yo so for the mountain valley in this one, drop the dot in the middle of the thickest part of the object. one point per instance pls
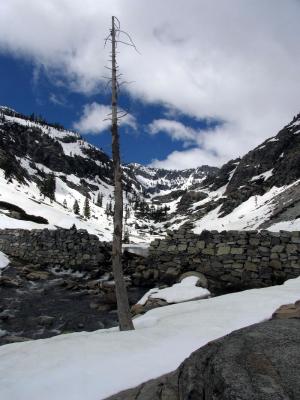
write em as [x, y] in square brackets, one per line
[258, 190]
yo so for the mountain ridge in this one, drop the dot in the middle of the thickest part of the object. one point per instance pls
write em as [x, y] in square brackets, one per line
[259, 189]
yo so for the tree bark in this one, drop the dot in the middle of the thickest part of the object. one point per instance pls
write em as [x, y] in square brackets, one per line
[125, 321]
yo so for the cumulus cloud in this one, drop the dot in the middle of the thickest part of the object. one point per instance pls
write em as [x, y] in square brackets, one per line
[234, 60]
[212, 146]
[95, 119]
[175, 129]
[190, 158]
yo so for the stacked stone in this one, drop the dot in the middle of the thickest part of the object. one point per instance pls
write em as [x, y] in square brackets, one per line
[58, 248]
[236, 259]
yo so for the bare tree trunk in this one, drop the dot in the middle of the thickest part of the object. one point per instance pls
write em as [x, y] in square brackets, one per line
[125, 322]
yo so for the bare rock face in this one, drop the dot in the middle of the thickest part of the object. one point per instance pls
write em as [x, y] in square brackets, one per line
[261, 362]
[288, 311]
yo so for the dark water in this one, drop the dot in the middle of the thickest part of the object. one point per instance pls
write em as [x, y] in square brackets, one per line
[59, 304]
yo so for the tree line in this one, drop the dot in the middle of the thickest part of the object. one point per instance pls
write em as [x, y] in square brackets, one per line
[139, 206]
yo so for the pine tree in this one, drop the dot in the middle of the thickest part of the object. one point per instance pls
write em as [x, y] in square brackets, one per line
[86, 208]
[110, 209]
[9, 169]
[99, 201]
[48, 186]
[76, 207]
[126, 238]
[106, 209]
[65, 204]
[152, 210]
[136, 203]
[127, 212]
[51, 185]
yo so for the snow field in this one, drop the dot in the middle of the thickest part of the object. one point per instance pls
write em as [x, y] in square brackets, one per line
[248, 215]
[29, 199]
[94, 365]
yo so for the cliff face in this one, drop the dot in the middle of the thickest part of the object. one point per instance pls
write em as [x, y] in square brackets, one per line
[276, 162]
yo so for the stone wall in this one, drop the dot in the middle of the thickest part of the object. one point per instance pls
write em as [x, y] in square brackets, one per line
[68, 248]
[229, 260]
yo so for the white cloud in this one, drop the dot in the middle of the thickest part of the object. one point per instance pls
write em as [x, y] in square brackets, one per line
[188, 159]
[95, 119]
[213, 147]
[176, 130]
[57, 100]
[235, 60]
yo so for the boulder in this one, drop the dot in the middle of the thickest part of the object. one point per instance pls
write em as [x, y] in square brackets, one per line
[138, 309]
[288, 311]
[45, 320]
[37, 275]
[260, 362]
[16, 339]
[6, 315]
[9, 282]
[202, 281]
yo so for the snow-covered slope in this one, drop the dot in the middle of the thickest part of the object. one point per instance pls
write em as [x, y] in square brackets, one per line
[259, 190]
[94, 365]
[155, 180]
[32, 151]
[29, 199]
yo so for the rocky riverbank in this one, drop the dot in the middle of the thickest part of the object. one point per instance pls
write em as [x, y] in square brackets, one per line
[39, 302]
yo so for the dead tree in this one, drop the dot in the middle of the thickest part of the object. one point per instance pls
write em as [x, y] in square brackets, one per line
[125, 321]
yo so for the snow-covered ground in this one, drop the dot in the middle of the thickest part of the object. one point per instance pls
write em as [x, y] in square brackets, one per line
[47, 130]
[28, 198]
[248, 215]
[293, 225]
[177, 293]
[60, 212]
[92, 366]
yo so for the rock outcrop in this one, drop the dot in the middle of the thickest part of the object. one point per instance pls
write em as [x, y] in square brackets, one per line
[275, 162]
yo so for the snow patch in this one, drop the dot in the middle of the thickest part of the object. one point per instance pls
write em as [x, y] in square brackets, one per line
[265, 175]
[4, 261]
[293, 225]
[183, 291]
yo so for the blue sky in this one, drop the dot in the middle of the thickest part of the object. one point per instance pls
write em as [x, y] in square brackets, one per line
[29, 90]
[214, 78]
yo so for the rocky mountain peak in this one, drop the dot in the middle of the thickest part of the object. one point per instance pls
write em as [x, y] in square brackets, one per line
[32, 149]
